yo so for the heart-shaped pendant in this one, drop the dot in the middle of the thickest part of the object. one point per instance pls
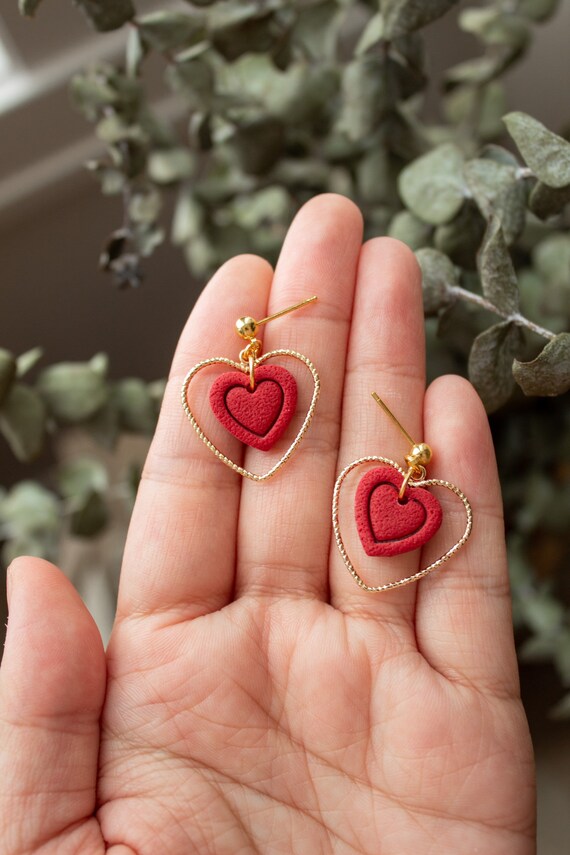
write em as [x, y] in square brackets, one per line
[381, 529]
[246, 419]
[388, 525]
[258, 416]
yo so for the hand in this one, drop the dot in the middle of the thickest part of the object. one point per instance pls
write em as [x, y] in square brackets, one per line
[257, 700]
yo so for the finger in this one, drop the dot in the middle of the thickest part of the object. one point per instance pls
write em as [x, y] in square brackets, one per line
[285, 522]
[463, 614]
[386, 355]
[180, 552]
[52, 685]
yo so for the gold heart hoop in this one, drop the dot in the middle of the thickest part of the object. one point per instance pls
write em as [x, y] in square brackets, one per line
[245, 368]
[429, 482]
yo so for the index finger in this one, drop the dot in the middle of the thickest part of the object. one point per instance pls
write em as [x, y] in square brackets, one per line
[172, 561]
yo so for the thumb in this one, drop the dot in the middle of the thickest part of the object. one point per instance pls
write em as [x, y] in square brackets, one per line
[52, 685]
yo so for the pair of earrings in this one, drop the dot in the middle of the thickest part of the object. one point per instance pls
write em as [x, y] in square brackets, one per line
[256, 402]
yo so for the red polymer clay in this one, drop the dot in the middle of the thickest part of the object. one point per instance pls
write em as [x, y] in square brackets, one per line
[387, 526]
[260, 416]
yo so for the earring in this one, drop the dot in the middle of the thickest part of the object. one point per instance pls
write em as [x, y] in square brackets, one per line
[393, 510]
[255, 402]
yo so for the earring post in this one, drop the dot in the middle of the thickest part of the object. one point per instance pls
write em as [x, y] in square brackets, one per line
[286, 311]
[391, 415]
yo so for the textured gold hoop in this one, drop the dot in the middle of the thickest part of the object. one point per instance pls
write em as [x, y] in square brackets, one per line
[429, 482]
[245, 368]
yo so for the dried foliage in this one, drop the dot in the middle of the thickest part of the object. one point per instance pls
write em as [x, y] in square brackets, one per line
[278, 100]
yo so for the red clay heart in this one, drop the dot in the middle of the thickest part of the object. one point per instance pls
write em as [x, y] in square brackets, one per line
[256, 417]
[387, 526]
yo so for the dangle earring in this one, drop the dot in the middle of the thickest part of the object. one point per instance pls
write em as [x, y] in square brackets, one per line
[255, 402]
[393, 510]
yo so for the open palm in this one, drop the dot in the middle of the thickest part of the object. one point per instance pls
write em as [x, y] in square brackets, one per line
[253, 699]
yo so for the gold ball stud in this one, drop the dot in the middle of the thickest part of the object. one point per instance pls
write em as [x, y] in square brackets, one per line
[420, 455]
[246, 327]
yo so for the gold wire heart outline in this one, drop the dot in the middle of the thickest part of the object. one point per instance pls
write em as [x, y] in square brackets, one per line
[223, 360]
[428, 482]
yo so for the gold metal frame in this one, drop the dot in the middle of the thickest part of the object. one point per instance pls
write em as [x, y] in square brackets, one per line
[246, 369]
[429, 482]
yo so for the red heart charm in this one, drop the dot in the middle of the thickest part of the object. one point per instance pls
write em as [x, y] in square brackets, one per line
[260, 416]
[387, 526]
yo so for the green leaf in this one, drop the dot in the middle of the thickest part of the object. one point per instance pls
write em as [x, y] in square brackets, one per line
[73, 391]
[91, 517]
[474, 20]
[79, 477]
[104, 15]
[491, 361]
[545, 201]
[496, 270]
[439, 276]
[167, 166]
[538, 648]
[487, 103]
[29, 508]
[549, 373]
[537, 10]
[266, 207]
[104, 426]
[92, 94]
[156, 390]
[99, 364]
[561, 710]
[495, 28]
[28, 7]
[317, 29]
[547, 154]
[372, 33]
[113, 129]
[134, 406]
[259, 144]
[432, 187]
[410, 229]
[194, 79]
[461, 238]
[405, 16]
[365, 96]
[112, 180]
[478, 71]
[188, 217]
[542, 613]
[497, 189]
[22, 422]
[168, 31]
[8, 367]
[499, 155]
[551, 258]
[254, 80]
[26, 361]
[147, 237]
[145, 205]
[135, 52]
[237, 27]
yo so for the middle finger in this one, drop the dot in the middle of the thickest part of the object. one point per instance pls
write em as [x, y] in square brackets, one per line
[284, 523]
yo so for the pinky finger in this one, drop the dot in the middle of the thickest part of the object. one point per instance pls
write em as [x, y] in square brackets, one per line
[463, 614]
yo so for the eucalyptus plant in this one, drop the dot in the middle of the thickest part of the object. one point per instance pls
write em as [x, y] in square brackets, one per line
[275, 101]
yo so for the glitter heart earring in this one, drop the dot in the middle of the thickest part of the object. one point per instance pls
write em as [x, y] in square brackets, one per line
[255, 402]
[393, 510]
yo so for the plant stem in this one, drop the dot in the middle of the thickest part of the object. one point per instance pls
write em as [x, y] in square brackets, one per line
[515, 317]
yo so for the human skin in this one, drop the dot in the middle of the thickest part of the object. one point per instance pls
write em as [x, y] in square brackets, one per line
[253, 699]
